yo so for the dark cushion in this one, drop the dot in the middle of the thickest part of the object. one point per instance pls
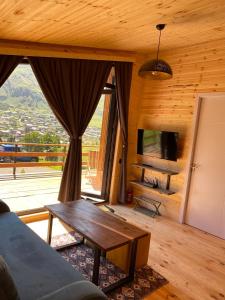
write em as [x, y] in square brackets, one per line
[3, 207]
[8, 289]
[80, 290]
[35, 267]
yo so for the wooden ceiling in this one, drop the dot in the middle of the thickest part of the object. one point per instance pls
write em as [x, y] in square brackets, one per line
[113, 24]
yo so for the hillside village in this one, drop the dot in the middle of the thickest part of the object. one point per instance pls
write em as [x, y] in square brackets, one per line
[23, 109]
[16, 122]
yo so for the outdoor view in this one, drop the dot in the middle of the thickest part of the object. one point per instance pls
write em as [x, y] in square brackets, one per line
[27, 124]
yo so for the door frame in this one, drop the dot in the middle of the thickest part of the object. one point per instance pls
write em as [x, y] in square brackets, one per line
[190, 159]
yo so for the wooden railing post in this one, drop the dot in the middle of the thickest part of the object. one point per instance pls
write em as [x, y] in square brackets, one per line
[64, 150]
[14, 159]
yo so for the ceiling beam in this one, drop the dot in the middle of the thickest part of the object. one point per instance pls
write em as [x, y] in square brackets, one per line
[11, 47]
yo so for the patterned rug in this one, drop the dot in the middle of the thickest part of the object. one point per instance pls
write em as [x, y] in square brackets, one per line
[81, 258]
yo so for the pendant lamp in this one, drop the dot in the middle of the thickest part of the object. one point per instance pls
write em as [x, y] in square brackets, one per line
[156, 69]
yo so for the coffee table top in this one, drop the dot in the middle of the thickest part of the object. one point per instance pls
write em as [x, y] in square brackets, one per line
[101, 228]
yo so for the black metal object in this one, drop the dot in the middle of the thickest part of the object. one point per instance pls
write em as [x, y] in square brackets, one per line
[160, 26]
[97, 256]
[111, 86]
[110, 208]
[130, 277]
[70, 245]
[14, 160]
[156, 204]
[168, 182]
[133, 255]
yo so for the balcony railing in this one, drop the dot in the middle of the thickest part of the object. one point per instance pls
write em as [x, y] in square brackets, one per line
[49, 155]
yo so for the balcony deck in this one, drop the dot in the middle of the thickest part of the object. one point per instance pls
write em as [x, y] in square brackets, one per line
[27, 184]
[33, 190]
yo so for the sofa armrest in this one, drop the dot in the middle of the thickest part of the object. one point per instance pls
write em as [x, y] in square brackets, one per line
[79, 290]
[4, 207]
[7, 286]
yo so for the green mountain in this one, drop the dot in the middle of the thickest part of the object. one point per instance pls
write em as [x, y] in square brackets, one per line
[21, 89]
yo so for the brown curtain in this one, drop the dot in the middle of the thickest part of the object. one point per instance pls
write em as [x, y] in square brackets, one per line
[72, 88]
[7, 65]
[123, 74]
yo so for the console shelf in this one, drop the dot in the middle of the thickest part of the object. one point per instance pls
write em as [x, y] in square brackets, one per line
[154, 185]
[148, 167]
[157, 189]
[168, 174]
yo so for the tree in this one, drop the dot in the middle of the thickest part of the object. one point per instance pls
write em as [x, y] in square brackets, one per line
[33, 137]
[51, 138]
[39, 138]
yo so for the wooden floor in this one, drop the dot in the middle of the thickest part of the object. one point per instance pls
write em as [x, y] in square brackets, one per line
[192, 261]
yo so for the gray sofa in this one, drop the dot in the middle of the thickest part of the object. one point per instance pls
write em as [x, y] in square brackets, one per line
[37, 270]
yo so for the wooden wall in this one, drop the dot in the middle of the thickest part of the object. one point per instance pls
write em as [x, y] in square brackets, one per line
[169, 105]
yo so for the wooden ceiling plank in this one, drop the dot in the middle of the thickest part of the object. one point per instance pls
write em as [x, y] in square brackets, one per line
[115, 25]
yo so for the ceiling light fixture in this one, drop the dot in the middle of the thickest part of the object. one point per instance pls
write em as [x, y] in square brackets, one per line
[156, 68]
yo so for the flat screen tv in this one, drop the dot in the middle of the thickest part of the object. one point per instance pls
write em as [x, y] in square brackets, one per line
[159, 144]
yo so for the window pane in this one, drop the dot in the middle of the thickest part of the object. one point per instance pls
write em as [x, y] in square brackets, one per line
[93, 148]
[25, 117]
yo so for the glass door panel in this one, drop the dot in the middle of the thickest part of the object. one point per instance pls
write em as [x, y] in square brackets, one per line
[94, 148]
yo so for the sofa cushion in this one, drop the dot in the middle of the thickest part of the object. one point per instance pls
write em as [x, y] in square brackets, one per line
[80, 290]
[35, 267]
[4, 207]
[8, 289]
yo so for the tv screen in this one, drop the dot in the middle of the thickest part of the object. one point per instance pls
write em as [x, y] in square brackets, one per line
[159, 144]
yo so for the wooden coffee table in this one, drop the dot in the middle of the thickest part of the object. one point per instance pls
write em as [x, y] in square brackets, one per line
[103, 230]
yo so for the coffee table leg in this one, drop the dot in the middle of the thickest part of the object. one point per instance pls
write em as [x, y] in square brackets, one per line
[97, 255]
[49, 236]
[133, 259]
[131, 272]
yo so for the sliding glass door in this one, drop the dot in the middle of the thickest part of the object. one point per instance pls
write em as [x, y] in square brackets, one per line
[97, 145]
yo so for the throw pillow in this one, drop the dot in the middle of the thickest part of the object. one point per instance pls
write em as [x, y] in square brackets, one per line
[4, 207]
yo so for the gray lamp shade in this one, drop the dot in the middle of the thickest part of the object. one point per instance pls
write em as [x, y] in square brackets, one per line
[156, 69]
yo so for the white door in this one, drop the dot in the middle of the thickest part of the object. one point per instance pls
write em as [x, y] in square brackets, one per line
[206, 203]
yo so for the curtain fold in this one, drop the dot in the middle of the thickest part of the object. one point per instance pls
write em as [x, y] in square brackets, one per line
[7, 65]
[123, 74]
[72, 88]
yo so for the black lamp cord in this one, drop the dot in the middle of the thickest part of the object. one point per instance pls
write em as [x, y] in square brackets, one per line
[157, 58]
